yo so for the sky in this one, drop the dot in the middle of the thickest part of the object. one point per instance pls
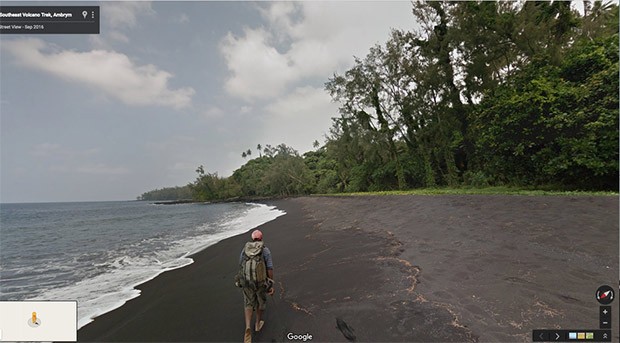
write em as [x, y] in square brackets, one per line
[168, 86]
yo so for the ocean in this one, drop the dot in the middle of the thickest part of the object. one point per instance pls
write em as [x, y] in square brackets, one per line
[96, 252]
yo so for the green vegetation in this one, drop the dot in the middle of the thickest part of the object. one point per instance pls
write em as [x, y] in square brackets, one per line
[499, 190]
[280, 171]
[168, 193]
[487, 97]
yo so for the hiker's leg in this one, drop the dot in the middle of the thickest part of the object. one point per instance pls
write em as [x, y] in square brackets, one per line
[259, 316]
[261, 297]
[250, 302]
[248, 317]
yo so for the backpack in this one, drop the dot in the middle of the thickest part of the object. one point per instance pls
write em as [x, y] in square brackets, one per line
[253, 271]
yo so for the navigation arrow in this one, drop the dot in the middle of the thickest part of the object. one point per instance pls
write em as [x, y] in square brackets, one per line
[557, 336]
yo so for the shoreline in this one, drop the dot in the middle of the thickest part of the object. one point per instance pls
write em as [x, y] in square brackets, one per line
[118, 324]
[394, 268]
[103, 301]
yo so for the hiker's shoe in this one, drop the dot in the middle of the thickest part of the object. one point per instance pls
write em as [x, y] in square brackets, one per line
[247, 338]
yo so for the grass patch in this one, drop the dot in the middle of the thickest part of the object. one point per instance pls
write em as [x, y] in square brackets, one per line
[498, 190]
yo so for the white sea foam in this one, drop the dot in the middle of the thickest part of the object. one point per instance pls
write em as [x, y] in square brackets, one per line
[114, 287]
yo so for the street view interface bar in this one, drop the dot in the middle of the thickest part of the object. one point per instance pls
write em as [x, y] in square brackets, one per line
[49, 19]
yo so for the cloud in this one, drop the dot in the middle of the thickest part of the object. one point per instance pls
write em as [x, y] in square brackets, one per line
[73, 160]
[301, 100]
[172, 142]
[53, 150]
[102, 169]
[213, 112]
[108, 71]
[92, 169]
[177, 157]
[118, 36]
[118, 17]
[124, 14]
[259, 70]
[173, 149]
[305, 40]
[299, 118]
[183, 19]
[46, 150]
[183, 166]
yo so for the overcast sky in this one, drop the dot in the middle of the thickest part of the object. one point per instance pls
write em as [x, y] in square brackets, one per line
[169, 86]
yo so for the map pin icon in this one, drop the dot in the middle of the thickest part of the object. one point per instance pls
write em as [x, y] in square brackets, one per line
[84, 13]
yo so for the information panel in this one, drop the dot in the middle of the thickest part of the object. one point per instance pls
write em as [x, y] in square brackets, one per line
[49, 19]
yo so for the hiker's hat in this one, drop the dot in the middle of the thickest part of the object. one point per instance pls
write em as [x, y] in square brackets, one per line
[257, 235]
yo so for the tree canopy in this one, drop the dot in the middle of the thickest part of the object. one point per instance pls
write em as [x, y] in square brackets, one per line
[483, 93]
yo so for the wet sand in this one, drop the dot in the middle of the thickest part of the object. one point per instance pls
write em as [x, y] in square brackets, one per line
[395, 268]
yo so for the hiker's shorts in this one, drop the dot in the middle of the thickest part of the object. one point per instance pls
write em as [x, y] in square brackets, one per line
[255, 298]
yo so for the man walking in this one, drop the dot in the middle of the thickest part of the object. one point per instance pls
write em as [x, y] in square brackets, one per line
[256, 281]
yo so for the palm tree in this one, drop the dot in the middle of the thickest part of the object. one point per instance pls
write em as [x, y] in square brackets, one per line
[596, 17]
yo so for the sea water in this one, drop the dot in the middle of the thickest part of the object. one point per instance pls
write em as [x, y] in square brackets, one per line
[97, 252]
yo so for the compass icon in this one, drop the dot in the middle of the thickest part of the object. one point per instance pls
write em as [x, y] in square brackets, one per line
[605, 295]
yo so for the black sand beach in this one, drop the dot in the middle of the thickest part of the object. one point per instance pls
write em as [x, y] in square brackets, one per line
[395, 268]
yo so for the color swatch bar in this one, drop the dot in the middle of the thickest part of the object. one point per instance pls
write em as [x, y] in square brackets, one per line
[571, 335]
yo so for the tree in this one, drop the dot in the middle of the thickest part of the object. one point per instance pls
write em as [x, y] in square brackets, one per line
[167, 193]
[600, 19]
[365, 97]
[555, 124]
[288, 175]
[484, 92]
[412, 98]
